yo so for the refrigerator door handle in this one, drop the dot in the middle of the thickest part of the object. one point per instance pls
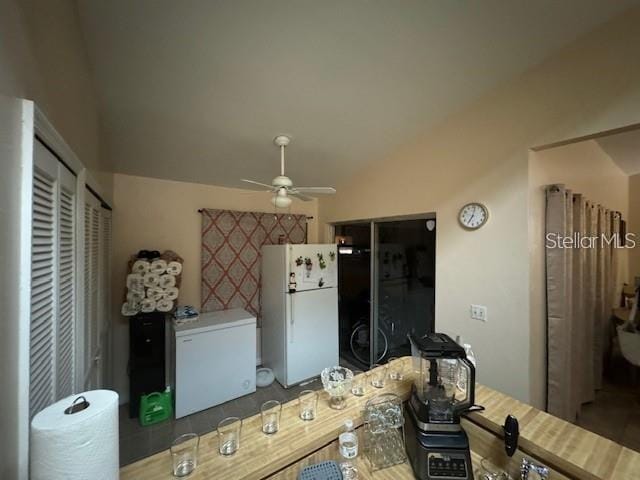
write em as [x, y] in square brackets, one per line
[291, 321]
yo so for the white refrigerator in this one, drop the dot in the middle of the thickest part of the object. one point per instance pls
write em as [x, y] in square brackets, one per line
[300, 313]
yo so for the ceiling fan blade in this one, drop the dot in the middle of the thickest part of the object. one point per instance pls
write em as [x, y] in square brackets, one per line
[299, 196]
[316, 190]
[270, 187]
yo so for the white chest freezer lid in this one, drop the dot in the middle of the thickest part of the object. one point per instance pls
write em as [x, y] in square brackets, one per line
[215, 321]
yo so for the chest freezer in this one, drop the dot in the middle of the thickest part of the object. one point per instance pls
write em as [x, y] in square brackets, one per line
[215, 360]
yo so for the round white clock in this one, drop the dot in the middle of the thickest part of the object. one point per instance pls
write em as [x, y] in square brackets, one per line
[473, 215]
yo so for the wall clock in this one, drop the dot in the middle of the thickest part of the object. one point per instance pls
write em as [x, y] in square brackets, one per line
[473, 215]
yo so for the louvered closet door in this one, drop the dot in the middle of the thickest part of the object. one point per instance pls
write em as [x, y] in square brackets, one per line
[42, 385]
[104, 374]
[53, 282]
[67, 251]
[92, 286]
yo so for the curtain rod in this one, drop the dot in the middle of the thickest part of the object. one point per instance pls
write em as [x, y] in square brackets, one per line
[200, 210]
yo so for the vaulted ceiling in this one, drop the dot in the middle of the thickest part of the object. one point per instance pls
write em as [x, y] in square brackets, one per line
[196, 90]
[624, 150]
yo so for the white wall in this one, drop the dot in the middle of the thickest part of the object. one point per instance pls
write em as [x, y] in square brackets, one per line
[43, 58]
[584, 168]
[481, 154]
[159, 215]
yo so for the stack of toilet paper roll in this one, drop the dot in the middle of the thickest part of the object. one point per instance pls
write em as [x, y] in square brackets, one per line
[152, 285]
[79, 441]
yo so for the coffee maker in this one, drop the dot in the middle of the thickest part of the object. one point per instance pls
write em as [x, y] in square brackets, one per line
[437, 446]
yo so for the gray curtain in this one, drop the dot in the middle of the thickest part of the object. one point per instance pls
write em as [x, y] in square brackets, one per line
[580, 288]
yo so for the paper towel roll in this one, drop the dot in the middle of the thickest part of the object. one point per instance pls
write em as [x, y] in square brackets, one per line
[174, 268]
[140, 266]
[135, 282]
[164, 305]
[158, 266]
[167, 281]
[151, 280]
[147, 305]
[82, 445]
[171, 293]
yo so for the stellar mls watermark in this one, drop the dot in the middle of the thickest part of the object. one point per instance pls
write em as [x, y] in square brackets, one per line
[580, 240]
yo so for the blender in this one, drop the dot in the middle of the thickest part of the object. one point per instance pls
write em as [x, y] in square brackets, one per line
[437, 446]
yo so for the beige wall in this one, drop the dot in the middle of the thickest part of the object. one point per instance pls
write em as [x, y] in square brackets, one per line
[42, 58]
[481, 154]
[160, 214]
[633, 226]
[585, 168]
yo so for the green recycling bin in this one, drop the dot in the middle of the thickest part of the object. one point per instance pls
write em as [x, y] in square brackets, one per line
[155, 407]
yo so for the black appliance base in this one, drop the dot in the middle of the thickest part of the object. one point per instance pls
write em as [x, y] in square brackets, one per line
[437, 455]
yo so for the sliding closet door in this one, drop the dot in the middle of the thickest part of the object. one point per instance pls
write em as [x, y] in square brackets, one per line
[403, 284]
[53, 262]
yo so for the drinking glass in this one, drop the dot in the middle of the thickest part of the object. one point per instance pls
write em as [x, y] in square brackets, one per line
[229, 435]
[337, 383]
[359, 383]
[270, 412]
[308, 404]
[396, 368]
[488, 471]
[184, 454]
[379, 375]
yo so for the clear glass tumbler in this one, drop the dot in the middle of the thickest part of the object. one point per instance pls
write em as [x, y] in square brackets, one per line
[379, 375]
[308, 404]
[229, 430]
[359, 383]
[488, 471]
[396, 368]
[271, 411]
[184, 454]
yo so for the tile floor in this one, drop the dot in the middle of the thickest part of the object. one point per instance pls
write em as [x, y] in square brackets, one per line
[137, 442]
[614, 414]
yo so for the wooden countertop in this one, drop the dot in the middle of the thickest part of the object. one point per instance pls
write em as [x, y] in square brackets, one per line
[330, 452]
[568, 449]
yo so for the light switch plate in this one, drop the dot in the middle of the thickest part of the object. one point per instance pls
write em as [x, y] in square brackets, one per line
[479, 312]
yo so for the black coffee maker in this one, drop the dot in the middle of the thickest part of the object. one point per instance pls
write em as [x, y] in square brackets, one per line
[437, 446]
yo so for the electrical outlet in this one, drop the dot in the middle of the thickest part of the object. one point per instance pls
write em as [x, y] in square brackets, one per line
[479, 312]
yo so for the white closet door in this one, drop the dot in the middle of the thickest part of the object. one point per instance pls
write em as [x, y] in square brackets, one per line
[42, 391]
[87, 286]
[104, 374]
[91, 292]
[53, 279]
[66, 284]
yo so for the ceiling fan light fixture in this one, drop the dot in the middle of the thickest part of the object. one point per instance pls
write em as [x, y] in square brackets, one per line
[282, 186]
[281, 201]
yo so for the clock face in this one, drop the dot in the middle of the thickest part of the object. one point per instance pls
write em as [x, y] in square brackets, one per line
[473, 215]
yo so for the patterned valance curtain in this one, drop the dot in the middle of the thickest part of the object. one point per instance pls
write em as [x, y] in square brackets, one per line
[231, 245]
[581, 290]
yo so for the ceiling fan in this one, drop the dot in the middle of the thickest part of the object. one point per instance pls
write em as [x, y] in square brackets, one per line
[282, 186]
